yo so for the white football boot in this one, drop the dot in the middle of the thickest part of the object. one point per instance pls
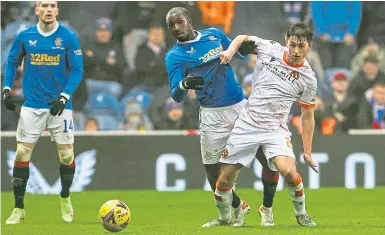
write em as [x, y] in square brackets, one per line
[217, 222]
[267, 219]
[16, 216]
[67, 212]
[239, 214]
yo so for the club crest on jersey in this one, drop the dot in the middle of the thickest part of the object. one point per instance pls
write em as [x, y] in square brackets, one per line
[212, 38]
[225, 153]
[58, 44]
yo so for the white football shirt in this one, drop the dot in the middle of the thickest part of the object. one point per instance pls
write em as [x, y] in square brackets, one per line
[276, 86]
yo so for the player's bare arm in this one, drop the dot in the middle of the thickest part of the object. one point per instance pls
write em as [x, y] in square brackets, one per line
[307, 136]
[227, 55]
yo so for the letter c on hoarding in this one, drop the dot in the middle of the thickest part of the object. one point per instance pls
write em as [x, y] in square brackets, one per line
[369, 170]
[161, 172]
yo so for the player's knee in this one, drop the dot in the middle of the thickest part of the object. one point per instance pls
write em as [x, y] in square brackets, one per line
[287, 171]
[224, 183]
[23, 153]
[285, 165]
[66, 156]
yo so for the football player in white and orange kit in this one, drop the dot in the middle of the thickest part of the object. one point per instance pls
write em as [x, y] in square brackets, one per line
[282, 76]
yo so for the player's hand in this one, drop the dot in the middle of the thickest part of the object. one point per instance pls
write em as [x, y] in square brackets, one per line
[246, 48]
[309, 160]
[193, 82]
[6, 97]
[225, 56]
[58, 105]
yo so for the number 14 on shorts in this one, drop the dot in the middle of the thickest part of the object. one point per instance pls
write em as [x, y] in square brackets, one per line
[68, 125]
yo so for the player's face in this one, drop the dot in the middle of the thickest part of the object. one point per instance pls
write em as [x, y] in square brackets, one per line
[179, 26]
[47, 11]
[298, 49]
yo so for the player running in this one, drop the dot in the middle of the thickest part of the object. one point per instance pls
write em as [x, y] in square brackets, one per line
[281, 77]
[193, 63]
[53, 68]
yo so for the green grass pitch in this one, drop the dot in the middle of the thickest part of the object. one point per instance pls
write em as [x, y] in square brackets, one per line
[336, 210]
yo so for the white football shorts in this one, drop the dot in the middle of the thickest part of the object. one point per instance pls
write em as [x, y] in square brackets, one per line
[215, 128]
[33, 122]
[245, 140]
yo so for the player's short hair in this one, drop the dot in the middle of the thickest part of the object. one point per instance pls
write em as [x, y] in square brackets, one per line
[177, 10]
[300, 31]
[38, 3]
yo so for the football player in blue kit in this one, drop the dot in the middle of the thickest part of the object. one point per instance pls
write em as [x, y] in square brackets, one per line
[193, 63]
[53, 68]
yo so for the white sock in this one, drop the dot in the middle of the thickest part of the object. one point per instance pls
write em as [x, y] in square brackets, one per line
[297, 195]
[223, 200]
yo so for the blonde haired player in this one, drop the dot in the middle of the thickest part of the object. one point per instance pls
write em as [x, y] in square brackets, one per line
[53, 68]
[282, 76]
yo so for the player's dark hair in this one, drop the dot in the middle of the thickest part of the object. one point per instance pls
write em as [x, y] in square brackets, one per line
[177, 10]
[300, 31]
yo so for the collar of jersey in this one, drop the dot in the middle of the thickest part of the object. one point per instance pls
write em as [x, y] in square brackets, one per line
[194, 40]
[49, 33]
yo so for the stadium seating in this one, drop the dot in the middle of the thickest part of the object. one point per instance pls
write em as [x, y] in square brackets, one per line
[105, 108]
[143, 98]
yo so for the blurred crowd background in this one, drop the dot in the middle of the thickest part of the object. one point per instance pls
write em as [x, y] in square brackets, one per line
[125, 85]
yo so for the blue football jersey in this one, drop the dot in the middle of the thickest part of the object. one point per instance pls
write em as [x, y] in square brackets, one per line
[53, 65]
[201, 57]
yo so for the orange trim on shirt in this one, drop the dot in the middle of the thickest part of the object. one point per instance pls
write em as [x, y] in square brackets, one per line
[288, 63]
[306, 106]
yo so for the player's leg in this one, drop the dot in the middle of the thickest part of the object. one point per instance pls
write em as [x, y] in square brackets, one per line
[31, 125]
[287, 167]
[279, 152]
[240, 151]
[223, 192]
[270, 181]
[212, 172]
[215, 129]
[61, 128]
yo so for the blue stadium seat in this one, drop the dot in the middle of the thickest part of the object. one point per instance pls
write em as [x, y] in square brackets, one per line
[102, 103]
[143, 98]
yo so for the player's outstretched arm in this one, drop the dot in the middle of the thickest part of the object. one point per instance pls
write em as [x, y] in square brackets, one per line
[228, 54]
[308, 124]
